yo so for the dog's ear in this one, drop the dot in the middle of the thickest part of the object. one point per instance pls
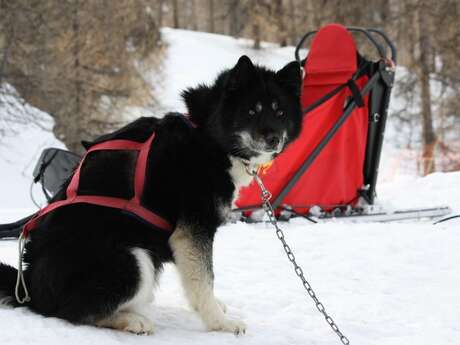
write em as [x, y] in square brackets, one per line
[241, 74]
[198, 101]
[289, 77]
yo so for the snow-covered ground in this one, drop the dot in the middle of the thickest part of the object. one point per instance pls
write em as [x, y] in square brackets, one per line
[386, 284]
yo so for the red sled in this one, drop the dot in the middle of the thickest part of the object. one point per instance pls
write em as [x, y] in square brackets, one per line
[345, 99]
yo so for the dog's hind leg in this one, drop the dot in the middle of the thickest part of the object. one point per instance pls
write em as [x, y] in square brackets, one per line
[130, 315]
[194, 261]
[111, 288]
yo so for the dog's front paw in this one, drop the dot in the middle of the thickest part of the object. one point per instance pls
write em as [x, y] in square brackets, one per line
[234, 326]
[221, 305]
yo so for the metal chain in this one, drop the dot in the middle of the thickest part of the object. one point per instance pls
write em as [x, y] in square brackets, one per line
[266, 196]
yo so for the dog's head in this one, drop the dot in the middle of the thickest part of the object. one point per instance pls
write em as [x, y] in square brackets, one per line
[253, 112]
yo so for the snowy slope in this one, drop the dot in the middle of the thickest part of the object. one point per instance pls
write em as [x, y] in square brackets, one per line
[194, 58]
[25, 138]
[386, 284]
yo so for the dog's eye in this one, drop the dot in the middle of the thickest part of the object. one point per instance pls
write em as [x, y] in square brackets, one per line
[274, 106]
[259, 107]
[252, 112]
[279, 113]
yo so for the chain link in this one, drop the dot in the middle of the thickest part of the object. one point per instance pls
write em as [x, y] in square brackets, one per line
[266, 196]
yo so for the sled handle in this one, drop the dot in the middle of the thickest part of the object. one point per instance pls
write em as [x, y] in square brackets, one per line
[394, 54]
[366, 33]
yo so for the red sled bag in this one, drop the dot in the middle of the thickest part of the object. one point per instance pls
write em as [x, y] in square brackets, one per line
[334, 161]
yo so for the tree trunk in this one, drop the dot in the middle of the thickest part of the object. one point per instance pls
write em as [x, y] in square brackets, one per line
[160, 13]
[429, 136]
[193, 18]
[282, 34]
[256, 35]
[176, 14]
[6, 49]
[72, 139]
[234, 18]
[256, 22]
[211, 16]
[293, 23]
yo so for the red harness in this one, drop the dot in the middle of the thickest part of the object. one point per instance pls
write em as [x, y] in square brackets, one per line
[132, 205]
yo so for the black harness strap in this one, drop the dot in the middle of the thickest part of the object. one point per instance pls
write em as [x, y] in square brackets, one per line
[325, 98]
[356, 93]
[351, 84]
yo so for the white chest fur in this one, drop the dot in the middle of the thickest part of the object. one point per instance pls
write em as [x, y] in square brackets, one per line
[239, 175]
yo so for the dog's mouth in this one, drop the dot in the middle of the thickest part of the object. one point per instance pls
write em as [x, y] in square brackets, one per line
[272, 144]
[252, 152]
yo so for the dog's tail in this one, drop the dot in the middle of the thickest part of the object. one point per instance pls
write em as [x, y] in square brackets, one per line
[8, 276]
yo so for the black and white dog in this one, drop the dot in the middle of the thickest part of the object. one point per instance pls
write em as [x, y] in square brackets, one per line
[97, 265]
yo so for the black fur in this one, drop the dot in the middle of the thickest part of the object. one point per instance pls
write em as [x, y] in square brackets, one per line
[79, 265]
[222, 109]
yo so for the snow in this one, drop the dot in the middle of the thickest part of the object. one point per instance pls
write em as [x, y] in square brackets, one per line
[385, 284]
[28, 133]
[194, 58]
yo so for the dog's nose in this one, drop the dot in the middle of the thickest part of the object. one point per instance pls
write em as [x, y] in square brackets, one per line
[272, 141]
